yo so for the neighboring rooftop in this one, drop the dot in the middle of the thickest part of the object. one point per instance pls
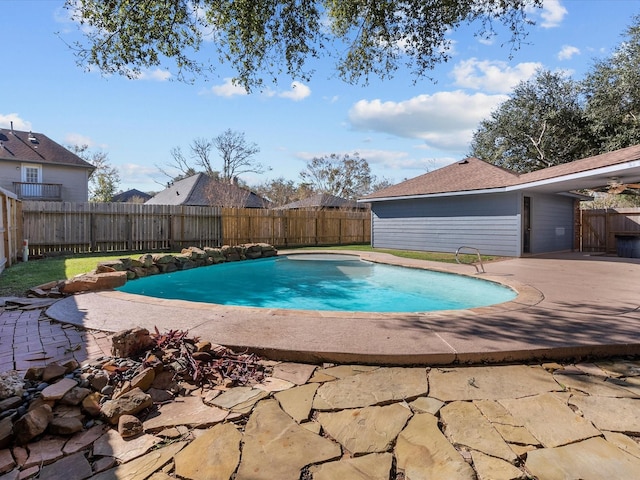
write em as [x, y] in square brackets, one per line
[202, 190]
[132, 195]
[35, 147]
[320, 201]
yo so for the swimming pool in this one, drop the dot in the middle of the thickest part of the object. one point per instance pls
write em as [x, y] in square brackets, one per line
[323, 282]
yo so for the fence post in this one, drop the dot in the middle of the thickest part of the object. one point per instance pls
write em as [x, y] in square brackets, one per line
[129, 226]
[92, 227]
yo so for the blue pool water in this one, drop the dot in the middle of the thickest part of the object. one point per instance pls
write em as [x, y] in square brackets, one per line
[323, 282]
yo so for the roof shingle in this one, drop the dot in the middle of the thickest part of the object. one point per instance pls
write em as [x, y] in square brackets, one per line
[37, 148]
[202, 190]
[475, 174]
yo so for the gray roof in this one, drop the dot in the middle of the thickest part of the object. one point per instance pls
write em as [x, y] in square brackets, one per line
[130, 195]
[322, 200]
[202, 190]
[37, 148]
[473, 174]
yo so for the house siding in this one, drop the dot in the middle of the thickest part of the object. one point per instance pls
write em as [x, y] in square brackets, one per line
[9, 174]
[74, 180]
[552, 223]
[490, 223]
[75, 185]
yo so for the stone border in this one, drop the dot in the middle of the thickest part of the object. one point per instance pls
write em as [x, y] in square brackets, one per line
[113, 274]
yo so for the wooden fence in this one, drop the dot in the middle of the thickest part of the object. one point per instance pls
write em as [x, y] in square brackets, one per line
[10, 228]
[289, 228]
[600, 227]
[110, 227]
[115, 227]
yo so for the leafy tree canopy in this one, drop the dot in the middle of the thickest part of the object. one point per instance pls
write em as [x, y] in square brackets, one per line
[542, 124]
[347, 177]
[269, 38]
[612, 90]
[104, 181]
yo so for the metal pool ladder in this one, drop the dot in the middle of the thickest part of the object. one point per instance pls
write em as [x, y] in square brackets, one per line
[474, 264]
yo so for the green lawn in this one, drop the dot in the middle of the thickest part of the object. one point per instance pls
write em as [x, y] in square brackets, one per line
[432, 256]
[16, 280]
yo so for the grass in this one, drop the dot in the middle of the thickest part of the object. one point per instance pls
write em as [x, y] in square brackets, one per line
[15, 281]
[431, 256]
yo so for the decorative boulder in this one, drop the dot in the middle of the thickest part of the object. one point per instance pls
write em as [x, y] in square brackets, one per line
[93, 282]
[127, 343]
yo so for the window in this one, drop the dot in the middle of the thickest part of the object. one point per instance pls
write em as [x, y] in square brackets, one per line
[31, 174]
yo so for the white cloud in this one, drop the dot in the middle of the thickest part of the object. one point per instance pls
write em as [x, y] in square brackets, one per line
[567, 52]
[298, 91]
[228, 89]
[79, 140]
[444, 120]
[553, 13]
[157, 75]
[492, 76]
[18, 123]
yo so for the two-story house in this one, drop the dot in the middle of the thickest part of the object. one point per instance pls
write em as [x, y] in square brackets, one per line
[35, 167]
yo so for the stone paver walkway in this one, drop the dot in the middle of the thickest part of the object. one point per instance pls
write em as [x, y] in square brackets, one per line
[350, 422]
[30, 339]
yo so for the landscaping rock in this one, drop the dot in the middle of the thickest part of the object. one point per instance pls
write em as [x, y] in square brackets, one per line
[58, 389]
[128, 343]
[32, 424]
[93, 282]
[53, 371]
[128, 404]
[65, 426]
[10, 384]
[129, 426]
[6, 432]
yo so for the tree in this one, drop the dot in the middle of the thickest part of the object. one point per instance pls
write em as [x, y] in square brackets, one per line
[275, 37]
[104, 181]
[179, 163]
[612, 90]
[346, 177]
[236, 152]
[542, 124]
[237, 155]
[280, 191]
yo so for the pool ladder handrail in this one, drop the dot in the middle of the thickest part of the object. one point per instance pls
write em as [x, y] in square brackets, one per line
[474, 264]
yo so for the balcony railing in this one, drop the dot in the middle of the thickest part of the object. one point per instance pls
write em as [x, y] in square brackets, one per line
[38, 191]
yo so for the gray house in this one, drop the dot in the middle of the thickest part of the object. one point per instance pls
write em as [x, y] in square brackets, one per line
[202, 190]
[35, 167]
[476, 204]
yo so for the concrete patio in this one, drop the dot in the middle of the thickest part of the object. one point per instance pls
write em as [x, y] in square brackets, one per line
[569, 305]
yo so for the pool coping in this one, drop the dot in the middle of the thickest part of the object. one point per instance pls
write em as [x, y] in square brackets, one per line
[477, 335]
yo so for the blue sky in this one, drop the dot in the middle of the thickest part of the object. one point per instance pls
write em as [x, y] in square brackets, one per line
[402, 129]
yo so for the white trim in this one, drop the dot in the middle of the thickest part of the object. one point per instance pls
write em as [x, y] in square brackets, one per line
[586, 174]
[23, 171]
[578, 175]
